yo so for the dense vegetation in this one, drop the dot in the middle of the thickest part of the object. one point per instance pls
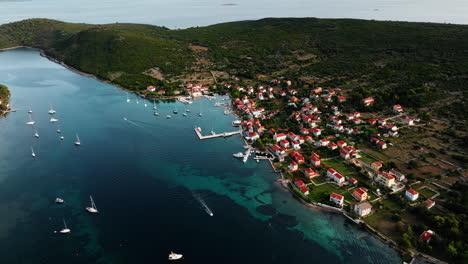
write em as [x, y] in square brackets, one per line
[413, 64]
[4, 95]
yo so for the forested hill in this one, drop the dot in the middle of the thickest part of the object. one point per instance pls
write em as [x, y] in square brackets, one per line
[409, 63]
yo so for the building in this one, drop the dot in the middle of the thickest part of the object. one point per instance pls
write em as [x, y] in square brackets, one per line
[386, 179]
[362, 208]
[315, 159]
[150, 88]
[426, 236]
[293, 166]
[397, 108]
[411, 194]
[310, 173]
[252, 136]
[398, 176]
[353, 181]
[344, 154]
[279, 137]
[376, 165]
[368, 101]
[360, 194]
[429, 204]
[336, 176]
[295, 145]
[278, 150]
[337, 199]
[284, 144]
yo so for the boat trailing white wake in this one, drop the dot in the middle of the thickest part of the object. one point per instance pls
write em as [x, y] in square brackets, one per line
[203, 204]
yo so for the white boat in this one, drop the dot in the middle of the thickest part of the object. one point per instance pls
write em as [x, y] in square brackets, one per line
[226, 112]
[62, 138]
[200, 114]
[59, 200]
[174, 256]
[168, 116]
[125, 119]
[146, 105]
[184, 114]
[236, 123]
[30, 122]
[154, 105]
[65, 229]
[36, 135]
[199, 129]
[156, 113]
[137, 101]
[238, 155]
[213, 133]
[53, 120]
[52, 111]
[93, 208]
[30, 110]
[59, 131]
[77, 142]
[32, 153]
[187, 110]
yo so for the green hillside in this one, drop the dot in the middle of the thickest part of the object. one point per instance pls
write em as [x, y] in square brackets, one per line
[409, 63]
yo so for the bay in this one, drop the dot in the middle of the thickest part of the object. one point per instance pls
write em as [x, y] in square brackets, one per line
[144, 174]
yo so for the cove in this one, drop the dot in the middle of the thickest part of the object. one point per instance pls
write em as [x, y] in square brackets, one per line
[143, 173]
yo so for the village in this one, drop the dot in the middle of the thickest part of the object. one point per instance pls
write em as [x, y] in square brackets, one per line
[332, 156]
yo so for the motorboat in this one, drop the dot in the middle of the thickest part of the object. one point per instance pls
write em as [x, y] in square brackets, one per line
[236, 123]
[174, 256]
[226, 112]
[62, 138]
[36, 135]
[184, 114]
[32, 153]
[238, 155]
[53, 120]
[30, 122]
[156, 113]
[187, 110]
[168, 116]
[59, 131]
[92, 209]
[30, 110]
[59, 200]
[128, 99]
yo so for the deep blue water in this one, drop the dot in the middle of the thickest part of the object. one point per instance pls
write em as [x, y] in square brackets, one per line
[143, 174]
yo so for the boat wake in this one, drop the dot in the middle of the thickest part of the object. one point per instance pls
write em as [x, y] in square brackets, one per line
[203, 204]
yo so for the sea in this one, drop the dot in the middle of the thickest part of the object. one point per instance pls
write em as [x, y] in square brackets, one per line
[153, 181]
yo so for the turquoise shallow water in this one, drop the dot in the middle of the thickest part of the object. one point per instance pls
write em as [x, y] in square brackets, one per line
[143, 174]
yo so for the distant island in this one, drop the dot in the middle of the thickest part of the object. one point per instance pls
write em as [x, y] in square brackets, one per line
[365, 118]
[4, 99]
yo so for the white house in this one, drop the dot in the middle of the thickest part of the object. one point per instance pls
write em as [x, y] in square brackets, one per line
[337, 198]
[411, 194]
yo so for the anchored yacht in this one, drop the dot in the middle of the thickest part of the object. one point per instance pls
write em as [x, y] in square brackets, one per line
[65, 229]
[59, 200]
[174, 256]
[93, 208]
[77, 142]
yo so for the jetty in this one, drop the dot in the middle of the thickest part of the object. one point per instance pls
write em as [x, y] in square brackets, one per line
[185, 100]
[247, 154]
[215, 135]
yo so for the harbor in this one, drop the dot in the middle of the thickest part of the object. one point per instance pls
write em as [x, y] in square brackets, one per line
[215, 135]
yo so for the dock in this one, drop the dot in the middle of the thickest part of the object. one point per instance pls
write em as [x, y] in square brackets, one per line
[247, 154]
[225, 134]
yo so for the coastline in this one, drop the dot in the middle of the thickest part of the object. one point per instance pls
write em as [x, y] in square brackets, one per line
[281, 180]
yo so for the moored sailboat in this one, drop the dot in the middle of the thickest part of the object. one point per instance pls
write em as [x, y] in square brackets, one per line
[92, 209]
[77, 141]
[65, 229]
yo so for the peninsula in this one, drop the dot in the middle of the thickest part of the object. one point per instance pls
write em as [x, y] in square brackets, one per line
[367, 118]
[4, 99]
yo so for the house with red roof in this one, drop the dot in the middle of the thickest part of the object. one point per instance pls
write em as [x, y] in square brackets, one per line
[252, 136]
[429, 204]
[341, 99]
[336, 176]
[284, 144]
[150, 88]
[353, 181]
[297, 157]
[376, 165]
[426, 236]
[304, 131]
[324, 142]
[278, 150]
[279, 137]
[316, 131]
[308, 172]
[397, 108]
[345, 155]
[161, 92]
[337, 199]
[368, 101]
[293, 166]
[315, 159]
[332, 146]
[341, 143]
[360, 194]
[385, 179]
[295, 145]
[411, 194]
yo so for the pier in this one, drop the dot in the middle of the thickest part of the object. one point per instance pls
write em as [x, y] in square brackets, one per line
[247, 154]
[225, 134]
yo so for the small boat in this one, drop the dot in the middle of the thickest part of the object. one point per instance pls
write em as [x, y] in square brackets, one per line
[238, 155]
[213, 133]
[199, 129]
[53, 120]
[199, 114]
[226, 112]
[52, 111]
[59, 200]
[138, 102]
[92, 209]
[128, 99]
[62, 138]
[174, 256]
[32, 153]
[36, 135]
[65, 229]
[187, 110]
[146, 105]
[30, 110]
[125, 119]
[59, 131]
[156, 113]
[154, 105]
[30, 122]
[184, 114]
[175, 110]
[168, 116]
[236, 123]
[77, 142]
